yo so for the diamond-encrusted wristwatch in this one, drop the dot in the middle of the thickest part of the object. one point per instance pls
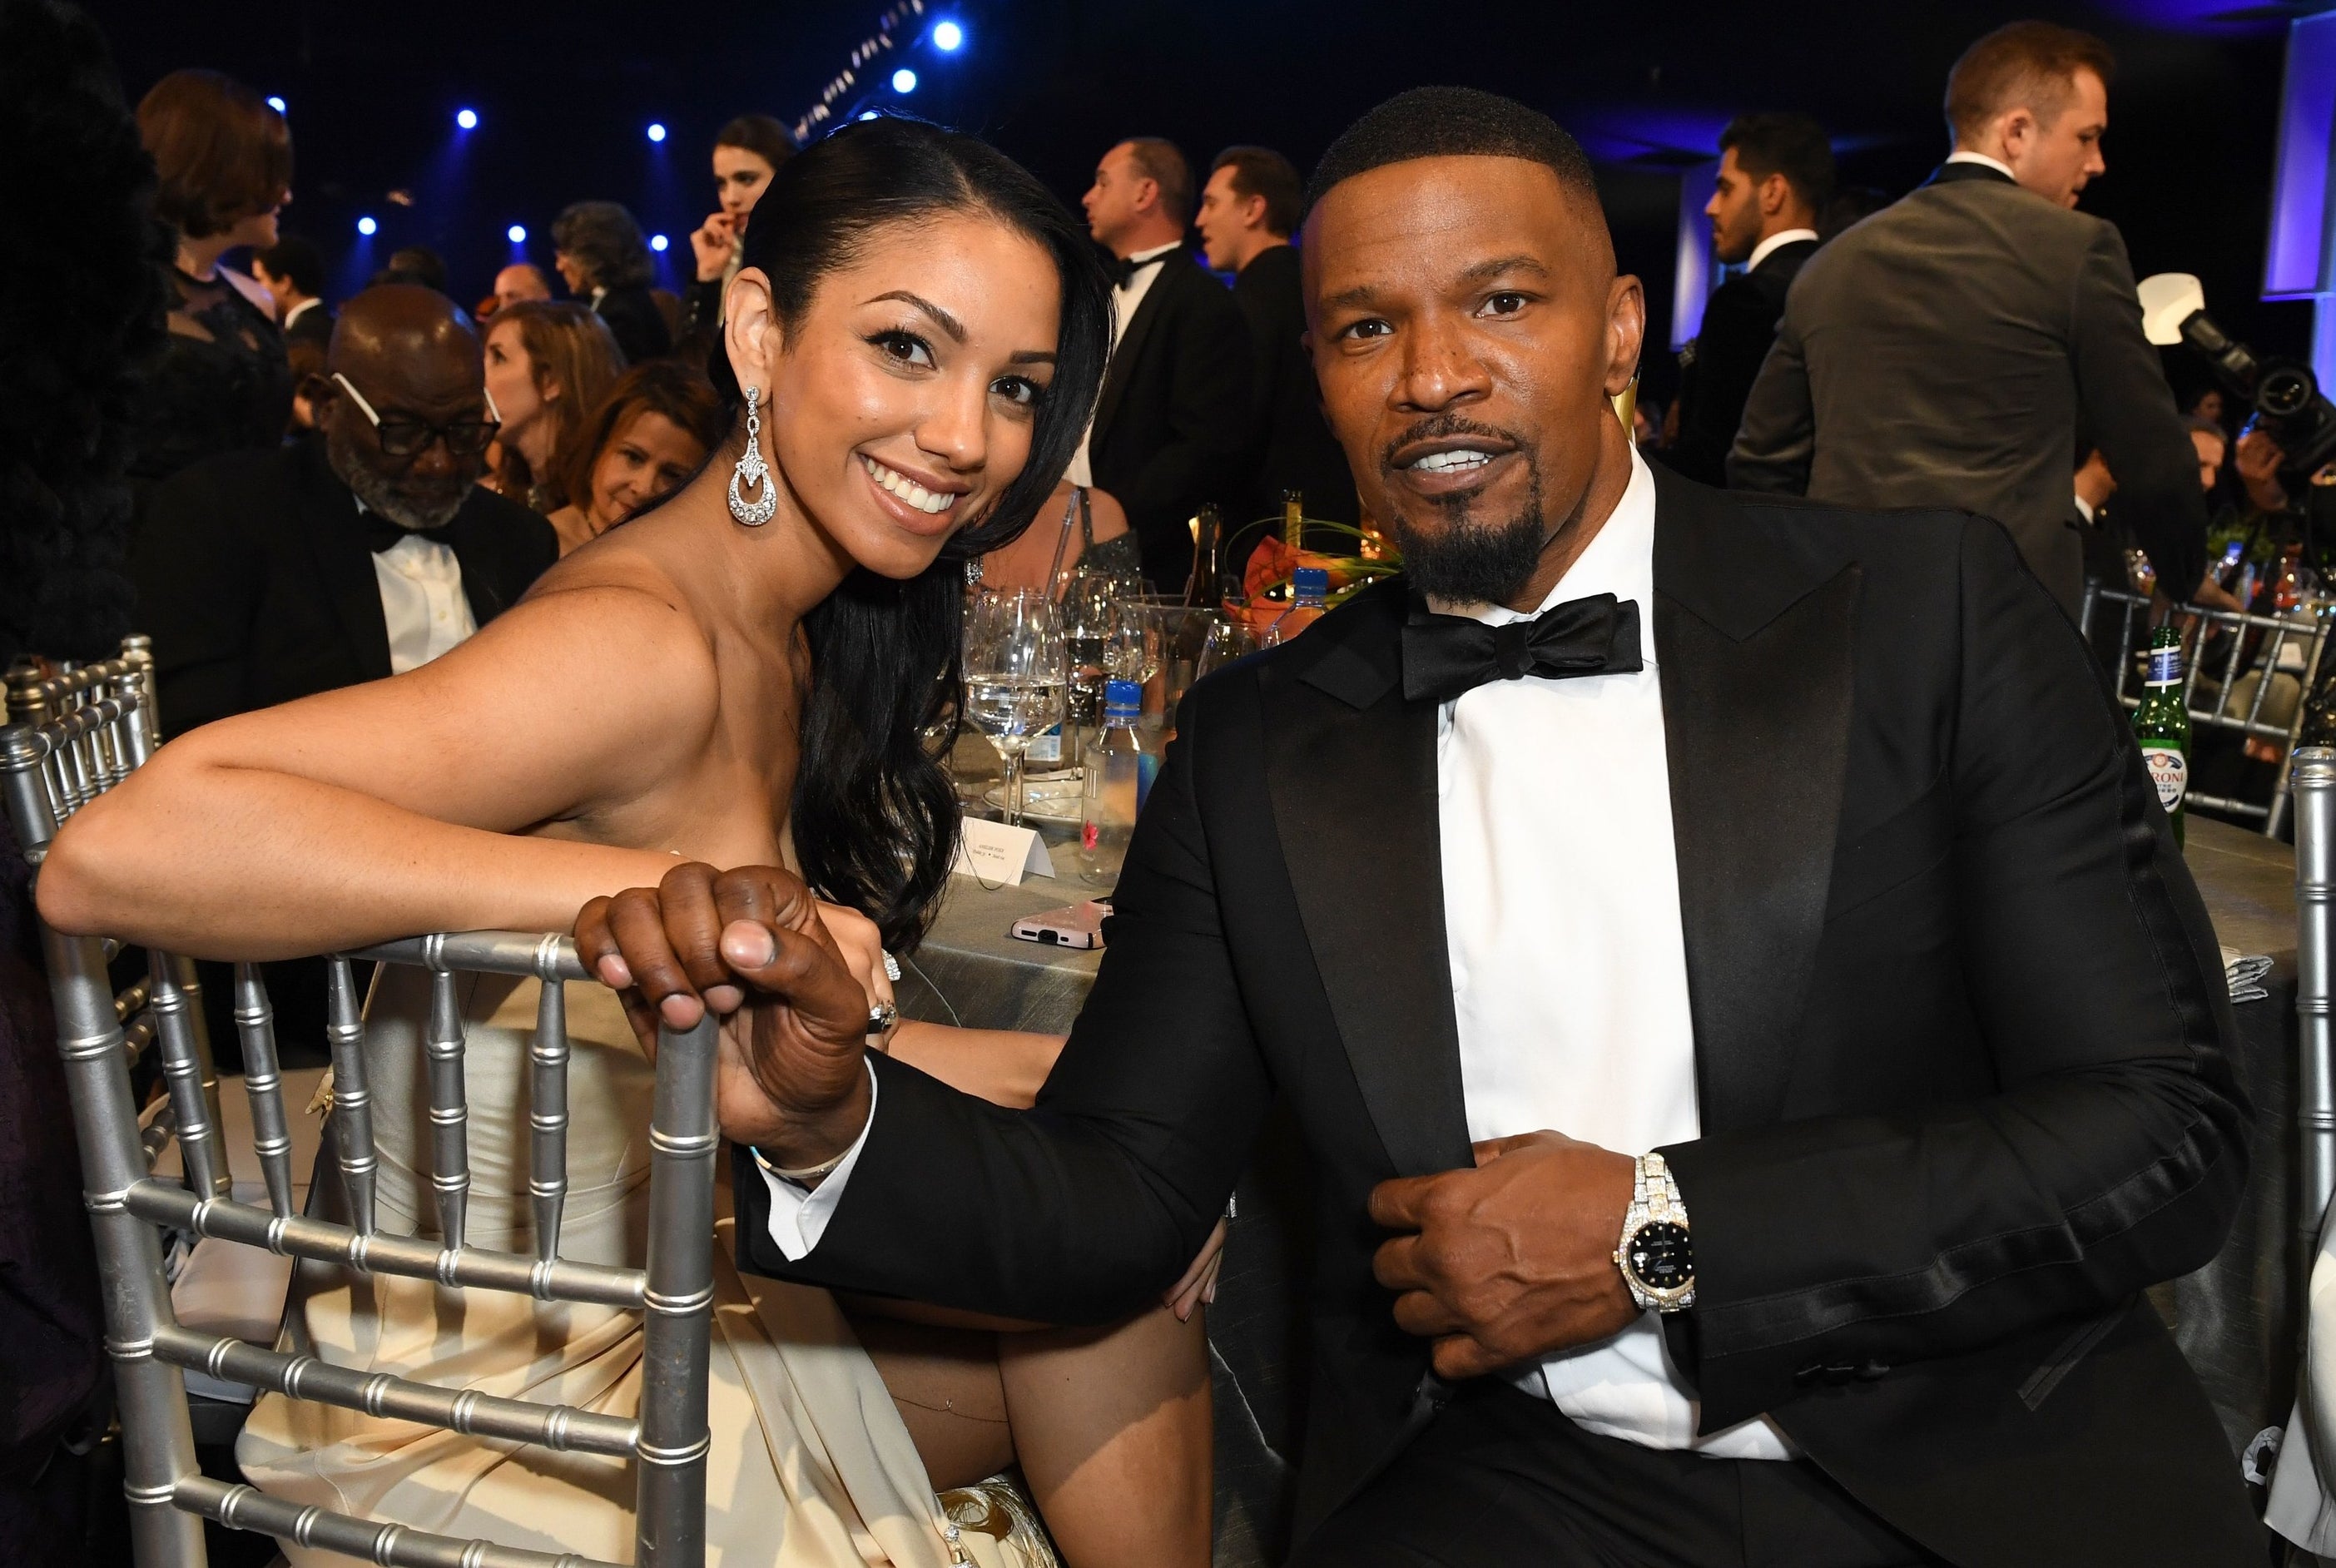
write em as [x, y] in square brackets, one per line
[1656, 1255]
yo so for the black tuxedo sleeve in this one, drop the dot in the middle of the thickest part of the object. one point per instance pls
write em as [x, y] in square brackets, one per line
[1739, 324]
[2113, 1153]
[1211, 413]
[1776, 442]
[1083, 1209]
[198, 576]
[2129, 411]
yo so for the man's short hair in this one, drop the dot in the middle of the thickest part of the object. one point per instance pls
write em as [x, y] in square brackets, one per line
[297, 262]
[2199, 424]
[1158, 159]
[1452, 123]
[1262, 172]
[1792, 145]
[2029, 66]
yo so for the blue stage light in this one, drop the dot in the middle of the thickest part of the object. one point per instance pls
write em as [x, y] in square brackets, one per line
[365, 226]
[468, 119]
[947, 37]
[904, 81]
[275, 103]
[657, 132]
[870, 114]
[516, 234]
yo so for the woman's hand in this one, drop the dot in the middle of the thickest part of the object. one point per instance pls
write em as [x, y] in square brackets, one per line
[1199, 1284]
[862, 947]
[713, 242]
[751, 944]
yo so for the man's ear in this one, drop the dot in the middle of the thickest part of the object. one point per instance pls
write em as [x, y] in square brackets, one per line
[1775, 195]
[1253, 211]
[1626, 332]
[1147, 195]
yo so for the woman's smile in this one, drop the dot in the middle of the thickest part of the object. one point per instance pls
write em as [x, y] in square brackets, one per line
[923, 509]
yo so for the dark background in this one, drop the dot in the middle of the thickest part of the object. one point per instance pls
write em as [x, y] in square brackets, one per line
[565, 93]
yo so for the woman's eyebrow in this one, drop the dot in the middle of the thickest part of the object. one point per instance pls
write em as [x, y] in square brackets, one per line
[1032, 356]
[948, 323]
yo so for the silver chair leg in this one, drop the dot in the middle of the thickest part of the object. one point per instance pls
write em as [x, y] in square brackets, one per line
[351, 1098]
[670, 1523]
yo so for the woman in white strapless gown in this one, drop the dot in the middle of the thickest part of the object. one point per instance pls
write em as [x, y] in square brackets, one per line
[758, 670]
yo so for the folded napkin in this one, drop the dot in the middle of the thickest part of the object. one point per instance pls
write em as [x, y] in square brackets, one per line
[2244, 973]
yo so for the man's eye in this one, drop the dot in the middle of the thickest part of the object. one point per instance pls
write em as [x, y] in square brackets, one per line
[1369, 327]
[1504, 304]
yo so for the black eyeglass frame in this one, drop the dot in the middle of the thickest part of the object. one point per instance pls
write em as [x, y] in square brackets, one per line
[410, 438]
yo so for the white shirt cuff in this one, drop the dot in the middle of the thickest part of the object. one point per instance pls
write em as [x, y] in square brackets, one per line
[799, 1218]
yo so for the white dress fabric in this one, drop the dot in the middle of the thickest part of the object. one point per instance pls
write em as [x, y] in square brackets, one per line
[811, 1465]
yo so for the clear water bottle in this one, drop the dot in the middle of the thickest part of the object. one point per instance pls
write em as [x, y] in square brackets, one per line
[1120, 767]
[1310, 592]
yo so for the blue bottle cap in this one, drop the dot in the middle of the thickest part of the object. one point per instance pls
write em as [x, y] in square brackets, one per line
[1311, 582]
[1122, 695]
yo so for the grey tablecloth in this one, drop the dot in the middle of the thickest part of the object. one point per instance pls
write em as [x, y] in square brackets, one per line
[2238, 1319]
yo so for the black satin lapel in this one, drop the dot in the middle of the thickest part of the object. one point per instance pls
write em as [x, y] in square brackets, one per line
[474, 559]
[1155, 303]
[1757, 733]
[1354, 798]
[345, 567]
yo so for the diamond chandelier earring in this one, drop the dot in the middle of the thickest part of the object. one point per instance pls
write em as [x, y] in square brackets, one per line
[751, 474]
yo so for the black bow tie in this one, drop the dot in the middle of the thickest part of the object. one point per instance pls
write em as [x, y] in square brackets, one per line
[382, 535]
[1128, 268]
[1447, 656]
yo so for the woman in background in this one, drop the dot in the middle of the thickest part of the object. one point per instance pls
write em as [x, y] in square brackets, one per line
[648, 435]
[223, 159]
[548, 365]
[747, 152]
[605, 262]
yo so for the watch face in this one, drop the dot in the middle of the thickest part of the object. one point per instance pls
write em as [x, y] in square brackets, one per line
[1661, 1256]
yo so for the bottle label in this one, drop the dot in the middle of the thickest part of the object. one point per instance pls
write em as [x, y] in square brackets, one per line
[2169, 770]
[2165, 667]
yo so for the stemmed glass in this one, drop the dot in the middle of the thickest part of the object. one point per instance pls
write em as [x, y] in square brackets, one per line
[1015, 675]
[1228, 641]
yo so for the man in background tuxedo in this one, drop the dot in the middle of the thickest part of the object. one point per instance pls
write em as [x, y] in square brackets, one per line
[1753, 1035]
[1776, 174]
[348, 556]
[1248, 209]
[1948, 350]
[293, 273]
[1172, 427]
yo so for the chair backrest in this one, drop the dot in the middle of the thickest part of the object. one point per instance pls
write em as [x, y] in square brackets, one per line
[2268, 645]
[90, 731]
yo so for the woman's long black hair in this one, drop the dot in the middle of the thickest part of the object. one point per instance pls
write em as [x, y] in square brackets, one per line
[874, 820]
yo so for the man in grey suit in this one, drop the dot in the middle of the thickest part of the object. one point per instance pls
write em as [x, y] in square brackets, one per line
[1947, 350]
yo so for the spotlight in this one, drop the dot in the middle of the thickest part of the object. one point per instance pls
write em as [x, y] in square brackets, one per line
[276, 104]
[365, 226]
[870, 114]
[468, 119]
[947, 37]
[904, 81]
[657, 133]
[658, 242]
[516, 234]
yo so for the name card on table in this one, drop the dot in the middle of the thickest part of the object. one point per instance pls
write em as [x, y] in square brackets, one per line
[997, 853]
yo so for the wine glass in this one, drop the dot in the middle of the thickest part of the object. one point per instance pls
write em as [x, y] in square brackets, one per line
[1228, 641]
[1015, 675]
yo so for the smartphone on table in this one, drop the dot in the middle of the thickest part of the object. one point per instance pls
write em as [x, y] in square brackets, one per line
[1078, 925]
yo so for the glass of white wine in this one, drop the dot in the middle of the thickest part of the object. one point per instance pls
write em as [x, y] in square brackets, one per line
[1016, 675]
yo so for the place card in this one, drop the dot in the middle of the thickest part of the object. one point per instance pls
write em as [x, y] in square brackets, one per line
[998, 853]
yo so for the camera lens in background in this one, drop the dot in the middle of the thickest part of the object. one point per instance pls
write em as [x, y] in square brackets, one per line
[2285, 390]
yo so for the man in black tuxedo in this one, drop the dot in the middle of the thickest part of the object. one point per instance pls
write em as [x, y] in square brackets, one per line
[1948, 350]
[1172, 429]
[266, 576]
[1755, 1035]
[1248, 209]
[1776, 174]
[352, 554]
[293, 273]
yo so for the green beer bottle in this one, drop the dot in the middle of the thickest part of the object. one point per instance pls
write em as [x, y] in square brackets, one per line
[2161, 725]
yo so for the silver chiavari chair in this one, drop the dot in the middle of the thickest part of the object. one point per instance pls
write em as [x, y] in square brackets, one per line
[96, 727]
[2315, 786]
